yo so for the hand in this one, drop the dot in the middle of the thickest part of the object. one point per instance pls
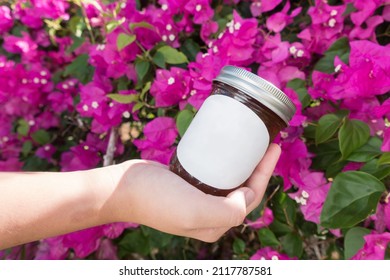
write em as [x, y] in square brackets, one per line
[149, 194]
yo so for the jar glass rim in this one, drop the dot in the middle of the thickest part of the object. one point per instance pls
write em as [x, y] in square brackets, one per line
[260, 89]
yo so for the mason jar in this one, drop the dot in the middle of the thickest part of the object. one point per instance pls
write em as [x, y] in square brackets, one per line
[231, 131]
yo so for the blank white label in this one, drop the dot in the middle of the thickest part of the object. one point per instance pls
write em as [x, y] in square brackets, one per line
[224, 143]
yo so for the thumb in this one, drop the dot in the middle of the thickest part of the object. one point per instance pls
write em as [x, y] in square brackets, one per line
[247, 193]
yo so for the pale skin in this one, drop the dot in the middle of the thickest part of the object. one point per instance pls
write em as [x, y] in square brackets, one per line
[38, 205]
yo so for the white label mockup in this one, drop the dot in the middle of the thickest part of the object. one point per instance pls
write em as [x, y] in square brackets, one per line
[224, 143]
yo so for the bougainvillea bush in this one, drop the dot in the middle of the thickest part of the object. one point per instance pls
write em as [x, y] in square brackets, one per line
[91, 83]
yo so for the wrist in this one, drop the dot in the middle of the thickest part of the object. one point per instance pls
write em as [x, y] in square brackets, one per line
[101, 184]
[111, 192]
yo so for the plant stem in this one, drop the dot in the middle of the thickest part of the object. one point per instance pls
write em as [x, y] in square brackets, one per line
[108, 158]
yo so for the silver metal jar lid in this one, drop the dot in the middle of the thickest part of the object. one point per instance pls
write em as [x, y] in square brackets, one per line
[260, 89]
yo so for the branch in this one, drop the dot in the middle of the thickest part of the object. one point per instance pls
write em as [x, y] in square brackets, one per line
[109, 156]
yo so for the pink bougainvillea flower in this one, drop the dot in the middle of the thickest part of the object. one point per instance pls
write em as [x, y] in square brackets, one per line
[46, 151]
[201, 10]
[61, 101]
[311, 195]
[382, 217]
[84, 242]
[52, 249]
[172, 7]
[261, 6]
[170, 86]
[160, 134]
[114, 230]
[278, 21]
[368, 71]
[208, 28]
[237, 42]
[6, 21]
[94, 10]
[374, 247]
[206, 67]
[383, 110]
[298, 118]
[107, 250]
[265, 219]
[364, 10]
[352, 166]
[35, 11]
[293, 161]
[267, 253]
[93, 100]
[80, 157]
[20, 45]
[386, 141]
[327, 26]
[11, 164]
[369, 31]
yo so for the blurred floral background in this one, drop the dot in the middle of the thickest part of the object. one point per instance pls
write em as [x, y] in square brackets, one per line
[90, 83]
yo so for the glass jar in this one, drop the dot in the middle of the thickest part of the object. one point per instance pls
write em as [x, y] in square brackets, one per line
[231, 132]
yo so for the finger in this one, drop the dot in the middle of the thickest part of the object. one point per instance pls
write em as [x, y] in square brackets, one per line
[218, 211]
[260, 177]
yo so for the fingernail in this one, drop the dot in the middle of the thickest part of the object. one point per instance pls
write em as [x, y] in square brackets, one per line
[249, 197]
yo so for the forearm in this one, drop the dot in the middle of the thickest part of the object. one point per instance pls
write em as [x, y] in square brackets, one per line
[44, 204]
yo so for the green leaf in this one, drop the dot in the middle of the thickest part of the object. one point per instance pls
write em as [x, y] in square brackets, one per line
[124, 99]
[292, 244]
[111, 25]
[368, 151]
[353, 241]
[123, 83]
[172, 56]
[310, 131]
[80, 69]
[183, 121]
[339, 48]
[124, 40]
[284, 208]
[327, 127]
[190, 48]
[280, 228]
[135, 242]
[142, 68]
[304, 97]
[238, 246]
[335, 168]
[326, 154]
[349, 9]
[76, 25]
[379, 171]
[143, 24]
[157, 239]
[296, 84]
[145, 89]
[352, 135]
[23, 127]
[159, 60]
[34, 163]
[299, 86]
[27, 147]
[267, 238]
[384, 159]
[138, 106]
[41, 137]
[353, 196]
[77, 42]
